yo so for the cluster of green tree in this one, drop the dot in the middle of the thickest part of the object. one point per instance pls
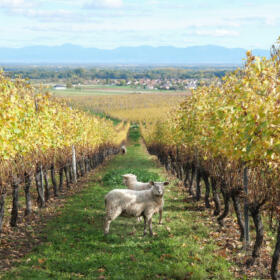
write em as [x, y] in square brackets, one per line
[114, 73]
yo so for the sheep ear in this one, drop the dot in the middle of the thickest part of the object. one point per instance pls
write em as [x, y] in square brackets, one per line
[152, 183]
[166, 183]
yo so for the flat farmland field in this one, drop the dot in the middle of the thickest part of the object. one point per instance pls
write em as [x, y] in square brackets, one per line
[123, 103]
[129, 107]
[107, 90]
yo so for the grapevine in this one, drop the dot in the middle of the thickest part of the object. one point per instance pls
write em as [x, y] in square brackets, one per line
[223, 130]
[39, 133]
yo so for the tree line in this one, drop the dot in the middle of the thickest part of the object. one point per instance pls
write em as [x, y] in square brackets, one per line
[57, 73]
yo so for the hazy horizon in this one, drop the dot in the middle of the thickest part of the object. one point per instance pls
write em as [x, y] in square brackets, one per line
[167, 55]
[124, 46]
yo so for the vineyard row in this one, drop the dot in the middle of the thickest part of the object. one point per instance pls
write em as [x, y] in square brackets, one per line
[228, 135]
[42, 136]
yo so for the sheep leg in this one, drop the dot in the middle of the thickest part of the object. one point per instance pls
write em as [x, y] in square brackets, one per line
[150, 226]
[107, 225]
[110, 218]
[160, 216]
[145, 225]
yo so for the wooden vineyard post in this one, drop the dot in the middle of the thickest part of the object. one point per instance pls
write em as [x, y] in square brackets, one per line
[74, 164]
[14, 213]
[28, 203]
[2, 205]
[40, 186]
[246, 210]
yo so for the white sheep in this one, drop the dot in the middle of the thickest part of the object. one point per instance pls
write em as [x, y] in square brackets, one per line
[130, 180]
[130, 203]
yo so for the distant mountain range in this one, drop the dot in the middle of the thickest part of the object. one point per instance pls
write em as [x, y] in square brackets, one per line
[69, 53]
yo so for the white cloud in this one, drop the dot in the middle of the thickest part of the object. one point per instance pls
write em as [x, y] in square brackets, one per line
[50, 16]
[9, 4]
[104, 4]
[216, 33]
[109, 23]
[46, 14]
[15, 4]
[273, 21]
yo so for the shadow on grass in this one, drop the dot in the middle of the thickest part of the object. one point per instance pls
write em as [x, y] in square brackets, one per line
[174, 208]
[194, 208]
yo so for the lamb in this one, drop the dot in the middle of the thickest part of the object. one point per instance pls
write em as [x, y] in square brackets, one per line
[130, 180]
[131, 203]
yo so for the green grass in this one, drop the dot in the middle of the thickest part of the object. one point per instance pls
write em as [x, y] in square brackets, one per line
[91, 90]
[109, 87]
[113, 178]
[75, 247]
[72, 92]
[100, 114]
[101, 90]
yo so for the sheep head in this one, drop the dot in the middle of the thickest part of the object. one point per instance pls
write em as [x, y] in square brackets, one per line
[158, 187]
[129, 177]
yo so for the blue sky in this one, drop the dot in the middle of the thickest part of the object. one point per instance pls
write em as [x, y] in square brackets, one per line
[112, 23]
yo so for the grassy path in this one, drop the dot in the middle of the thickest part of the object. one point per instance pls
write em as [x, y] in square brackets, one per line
[75, 247]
